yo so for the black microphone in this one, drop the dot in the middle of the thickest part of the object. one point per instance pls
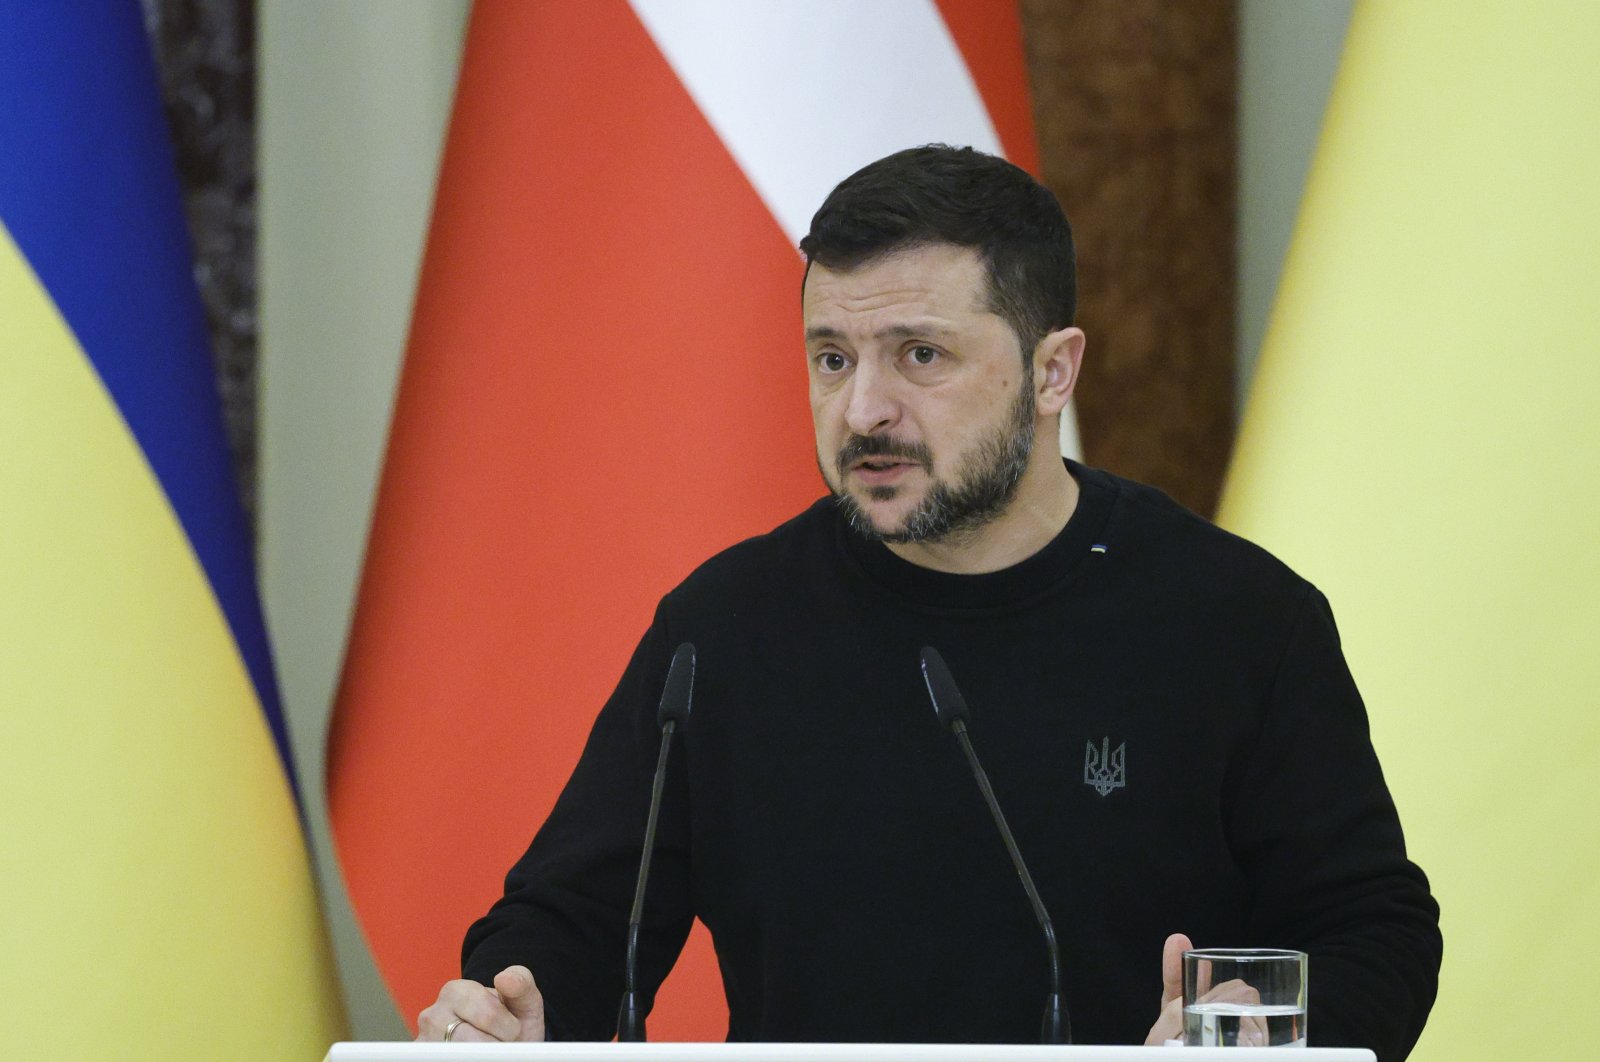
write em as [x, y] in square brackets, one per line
[676, 694]
[951, 708]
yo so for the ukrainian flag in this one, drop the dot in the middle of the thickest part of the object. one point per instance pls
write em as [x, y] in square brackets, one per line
[1422, 441]
[155, 894]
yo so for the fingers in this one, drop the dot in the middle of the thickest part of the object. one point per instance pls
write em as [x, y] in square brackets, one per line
[1172, 967]
[484, 1017]
[467, 1033]
[1169, 1025]
[522, 998]
[1252, 1028]
[517, 990]
[1235, 991]
[432, 1021]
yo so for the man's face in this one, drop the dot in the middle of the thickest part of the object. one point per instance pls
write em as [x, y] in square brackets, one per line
[923, 410]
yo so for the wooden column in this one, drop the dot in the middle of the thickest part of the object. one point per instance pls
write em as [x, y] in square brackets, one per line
[1135, 108]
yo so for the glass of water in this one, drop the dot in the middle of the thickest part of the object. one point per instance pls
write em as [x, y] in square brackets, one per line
[1244, 997]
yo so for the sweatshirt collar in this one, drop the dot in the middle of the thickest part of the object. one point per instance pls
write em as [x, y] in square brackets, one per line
[1017, 584]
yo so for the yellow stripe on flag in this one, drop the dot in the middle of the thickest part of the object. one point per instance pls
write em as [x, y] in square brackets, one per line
[1422, 442]
[155, 900]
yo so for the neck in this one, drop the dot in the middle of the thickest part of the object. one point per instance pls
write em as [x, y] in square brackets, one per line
[1046, 497]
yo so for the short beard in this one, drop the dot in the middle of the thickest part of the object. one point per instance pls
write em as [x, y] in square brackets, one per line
[984, 486]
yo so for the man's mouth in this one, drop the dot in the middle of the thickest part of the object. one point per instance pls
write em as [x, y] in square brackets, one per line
[880, 464]
[882, 472]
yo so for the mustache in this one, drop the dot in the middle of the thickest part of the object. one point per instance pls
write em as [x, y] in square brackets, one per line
[860, 446]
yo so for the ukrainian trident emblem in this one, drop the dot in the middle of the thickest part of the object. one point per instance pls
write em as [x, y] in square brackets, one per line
[1105, 768]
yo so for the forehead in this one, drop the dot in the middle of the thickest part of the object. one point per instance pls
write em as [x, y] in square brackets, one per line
[936, 282]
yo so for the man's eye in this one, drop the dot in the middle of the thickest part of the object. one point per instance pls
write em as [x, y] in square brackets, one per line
[832, 361]
[924, 355]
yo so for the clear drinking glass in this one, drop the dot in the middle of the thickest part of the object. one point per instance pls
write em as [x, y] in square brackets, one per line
[1244, 997]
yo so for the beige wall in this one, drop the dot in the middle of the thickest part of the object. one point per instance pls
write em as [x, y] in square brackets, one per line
[354, 96]
[1288, 51]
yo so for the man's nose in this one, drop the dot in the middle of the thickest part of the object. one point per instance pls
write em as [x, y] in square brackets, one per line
[874, 408]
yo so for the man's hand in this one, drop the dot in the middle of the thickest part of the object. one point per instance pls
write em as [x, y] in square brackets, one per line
[511, 1011]
[1169, 1023]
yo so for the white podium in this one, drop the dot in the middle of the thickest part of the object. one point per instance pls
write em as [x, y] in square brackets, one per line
[722, 1052]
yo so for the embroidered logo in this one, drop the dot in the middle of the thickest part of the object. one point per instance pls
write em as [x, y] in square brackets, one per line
[1105, 768]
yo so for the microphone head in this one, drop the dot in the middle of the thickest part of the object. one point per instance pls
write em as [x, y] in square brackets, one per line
[948, 704]
[679, 688]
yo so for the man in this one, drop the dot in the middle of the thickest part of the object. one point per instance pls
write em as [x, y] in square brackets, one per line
[1163, 708]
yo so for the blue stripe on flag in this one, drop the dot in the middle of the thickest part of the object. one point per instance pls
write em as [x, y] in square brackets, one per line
[89, 191]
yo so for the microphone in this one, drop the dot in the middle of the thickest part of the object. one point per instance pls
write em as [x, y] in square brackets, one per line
[952, 710]
[676, 694]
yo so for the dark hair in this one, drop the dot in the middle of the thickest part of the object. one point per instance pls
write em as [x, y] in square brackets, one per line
[941, 194]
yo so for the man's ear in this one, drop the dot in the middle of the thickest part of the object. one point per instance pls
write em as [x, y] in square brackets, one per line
[1056, 361]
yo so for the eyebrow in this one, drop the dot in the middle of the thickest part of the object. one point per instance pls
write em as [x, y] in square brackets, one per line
[894, 331]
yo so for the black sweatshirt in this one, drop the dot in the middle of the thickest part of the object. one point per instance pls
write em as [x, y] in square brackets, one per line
[830, 835]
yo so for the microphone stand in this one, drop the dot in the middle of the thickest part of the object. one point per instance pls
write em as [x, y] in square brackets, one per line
[676, 696]
[951, 708]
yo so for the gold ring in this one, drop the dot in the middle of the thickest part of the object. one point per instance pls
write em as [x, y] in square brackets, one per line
[450, 1030]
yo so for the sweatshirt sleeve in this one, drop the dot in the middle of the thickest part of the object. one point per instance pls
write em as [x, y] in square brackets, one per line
[1317, 834]
[564, 913]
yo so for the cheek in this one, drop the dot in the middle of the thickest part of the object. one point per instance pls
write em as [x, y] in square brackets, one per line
[823, 424]
[826, 407]
[955, 427]
[992, 402]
